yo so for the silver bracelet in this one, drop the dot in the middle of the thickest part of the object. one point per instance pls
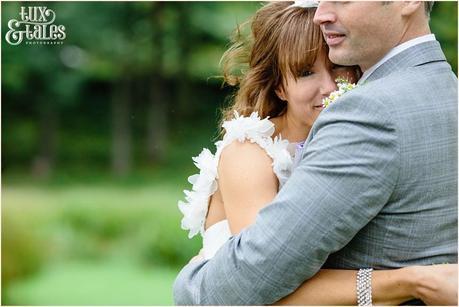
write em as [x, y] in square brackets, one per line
[364, 287]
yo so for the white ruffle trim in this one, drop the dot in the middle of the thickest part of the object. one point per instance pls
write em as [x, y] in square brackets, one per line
[241, 128]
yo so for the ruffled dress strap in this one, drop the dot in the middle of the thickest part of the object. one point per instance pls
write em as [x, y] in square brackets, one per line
[241, 128]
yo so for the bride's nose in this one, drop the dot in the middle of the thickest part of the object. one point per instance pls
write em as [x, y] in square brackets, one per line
[328, 84]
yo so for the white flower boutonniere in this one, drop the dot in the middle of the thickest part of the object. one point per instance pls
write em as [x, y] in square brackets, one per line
[343, 87]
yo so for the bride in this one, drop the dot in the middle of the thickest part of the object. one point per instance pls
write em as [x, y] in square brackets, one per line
[286, 76]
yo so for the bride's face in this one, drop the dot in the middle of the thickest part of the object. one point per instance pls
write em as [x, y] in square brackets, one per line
[304, 95]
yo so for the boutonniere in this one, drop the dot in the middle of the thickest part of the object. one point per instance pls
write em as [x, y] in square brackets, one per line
[343, 87]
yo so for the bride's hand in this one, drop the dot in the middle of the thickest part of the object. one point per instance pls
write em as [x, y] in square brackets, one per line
[436, 284]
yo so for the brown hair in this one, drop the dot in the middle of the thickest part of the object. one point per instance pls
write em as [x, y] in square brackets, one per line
[283, 41]
[428, 5]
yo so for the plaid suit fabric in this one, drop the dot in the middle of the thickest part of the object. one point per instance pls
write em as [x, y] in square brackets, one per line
[376, 187]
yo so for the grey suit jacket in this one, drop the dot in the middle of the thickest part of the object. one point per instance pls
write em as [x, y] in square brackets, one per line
[376, 187]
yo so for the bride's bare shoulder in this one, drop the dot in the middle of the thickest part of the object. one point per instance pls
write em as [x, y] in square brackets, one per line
[246, 150]
[247, 160]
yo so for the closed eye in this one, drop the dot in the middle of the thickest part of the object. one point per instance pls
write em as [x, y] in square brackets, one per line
[306, 73]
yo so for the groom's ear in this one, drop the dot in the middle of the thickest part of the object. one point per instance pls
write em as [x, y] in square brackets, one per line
[410, 7]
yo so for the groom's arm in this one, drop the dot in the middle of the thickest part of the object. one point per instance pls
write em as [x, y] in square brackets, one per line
[347, 174]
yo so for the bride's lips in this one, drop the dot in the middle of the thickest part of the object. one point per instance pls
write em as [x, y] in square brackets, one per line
[334, 38]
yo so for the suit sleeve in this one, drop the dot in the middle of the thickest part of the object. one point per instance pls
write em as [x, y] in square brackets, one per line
[347, 174]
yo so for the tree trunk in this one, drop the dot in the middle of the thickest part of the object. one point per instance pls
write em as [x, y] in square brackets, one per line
[121, 130]
[157, 112]
[43, 163]
[157, 121]
[185, 41]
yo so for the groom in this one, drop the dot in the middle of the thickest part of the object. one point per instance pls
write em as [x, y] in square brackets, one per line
[377, 183]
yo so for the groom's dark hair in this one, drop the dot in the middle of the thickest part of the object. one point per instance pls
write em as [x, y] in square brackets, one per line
[428, 7]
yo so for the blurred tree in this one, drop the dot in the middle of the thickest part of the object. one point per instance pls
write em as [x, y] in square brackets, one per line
[185, 38]
[43, 163]
[157, 108]
[121, 132]
[443, 23]
[128, 81]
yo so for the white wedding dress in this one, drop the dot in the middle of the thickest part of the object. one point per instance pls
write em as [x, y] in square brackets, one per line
[252, 129]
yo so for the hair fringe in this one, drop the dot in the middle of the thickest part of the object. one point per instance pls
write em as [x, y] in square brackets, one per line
[263, 50]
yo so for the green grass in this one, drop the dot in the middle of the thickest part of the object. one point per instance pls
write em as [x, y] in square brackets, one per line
[93, 283]
[92, 244]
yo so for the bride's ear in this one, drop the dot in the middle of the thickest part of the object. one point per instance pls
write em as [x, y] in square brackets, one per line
[280, 93]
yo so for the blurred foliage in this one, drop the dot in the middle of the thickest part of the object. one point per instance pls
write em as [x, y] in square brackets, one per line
[85, 222]
[68, 90]
[97, 139]
[129, 227]
[22, 252]
[58, 100]
[443, 23]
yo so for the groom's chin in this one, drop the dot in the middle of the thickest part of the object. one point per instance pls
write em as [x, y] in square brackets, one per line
[340, 57]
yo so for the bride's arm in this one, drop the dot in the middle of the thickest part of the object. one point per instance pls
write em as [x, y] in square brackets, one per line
[248, 183]
[434, 284]
[331, 287]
